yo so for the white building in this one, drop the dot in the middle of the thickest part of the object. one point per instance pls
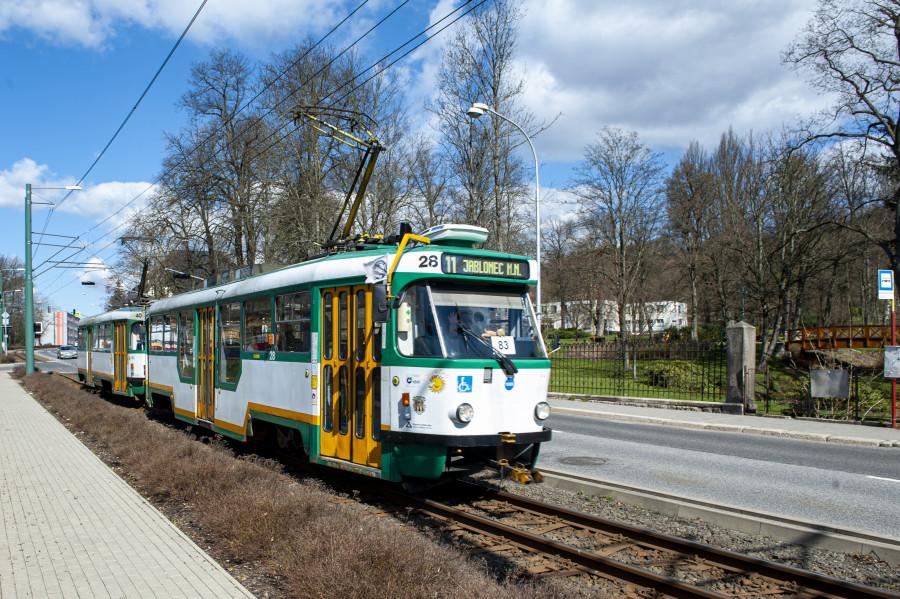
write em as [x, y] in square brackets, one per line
[599, 317]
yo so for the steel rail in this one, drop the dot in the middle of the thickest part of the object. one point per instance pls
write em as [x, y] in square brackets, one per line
[594, 563]
[730, 560]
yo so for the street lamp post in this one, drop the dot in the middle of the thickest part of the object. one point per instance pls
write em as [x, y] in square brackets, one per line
[476, 110]
[29, 287]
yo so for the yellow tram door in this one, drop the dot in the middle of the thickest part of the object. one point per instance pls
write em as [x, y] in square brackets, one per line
[206, 364]
[349, 367]
[335, 333]
[366, 383]
[120, 361]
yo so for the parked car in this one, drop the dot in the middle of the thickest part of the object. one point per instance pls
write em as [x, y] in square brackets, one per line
[66, 352]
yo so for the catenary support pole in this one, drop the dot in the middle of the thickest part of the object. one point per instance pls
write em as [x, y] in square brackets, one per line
[2, 310]
[29, 305]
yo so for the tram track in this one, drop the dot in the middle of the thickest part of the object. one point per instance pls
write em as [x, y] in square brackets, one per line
[574, 543]
[541, 540]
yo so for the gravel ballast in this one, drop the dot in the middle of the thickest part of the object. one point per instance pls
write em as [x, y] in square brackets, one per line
[862, 569]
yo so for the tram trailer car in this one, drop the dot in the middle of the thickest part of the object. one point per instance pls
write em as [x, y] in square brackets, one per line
[112, 355]
[449, 376]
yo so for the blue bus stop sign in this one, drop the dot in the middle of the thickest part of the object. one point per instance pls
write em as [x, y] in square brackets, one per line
[885, 284]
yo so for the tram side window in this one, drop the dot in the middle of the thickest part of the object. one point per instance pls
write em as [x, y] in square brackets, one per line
[170, 333]
[101, 337]
[138, 336]
[82, 339]
[258, 324]
[186, 344]
[229, 342]
[156, 333]
[292, 322]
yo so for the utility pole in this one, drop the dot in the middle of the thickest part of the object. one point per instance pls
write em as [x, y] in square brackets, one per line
[29, 307]
[3, 337]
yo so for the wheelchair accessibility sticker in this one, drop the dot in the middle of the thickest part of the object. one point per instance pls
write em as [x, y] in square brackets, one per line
[464, 384]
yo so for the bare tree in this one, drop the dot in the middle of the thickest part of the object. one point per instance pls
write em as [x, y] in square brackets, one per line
[558, 240]
[478, 66]
[689, 194]
[428, 184]
[619, 184]
[851, 48]
[238, 166]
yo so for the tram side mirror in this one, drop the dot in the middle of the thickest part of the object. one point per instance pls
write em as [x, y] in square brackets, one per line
[380, 309]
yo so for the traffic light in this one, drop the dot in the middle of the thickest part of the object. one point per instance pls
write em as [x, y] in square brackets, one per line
[39, 328]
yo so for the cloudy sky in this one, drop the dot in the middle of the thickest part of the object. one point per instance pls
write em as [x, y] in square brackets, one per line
[70, 70]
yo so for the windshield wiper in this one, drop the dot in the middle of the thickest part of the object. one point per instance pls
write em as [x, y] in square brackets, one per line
[508, 367]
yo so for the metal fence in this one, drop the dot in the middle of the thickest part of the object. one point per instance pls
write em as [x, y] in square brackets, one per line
[869, 397]
[641, 368]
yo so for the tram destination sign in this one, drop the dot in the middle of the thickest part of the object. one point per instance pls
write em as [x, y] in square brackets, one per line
[481, 266]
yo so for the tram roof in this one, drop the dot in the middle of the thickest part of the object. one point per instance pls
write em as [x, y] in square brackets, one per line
[334, 267]
[124, 313]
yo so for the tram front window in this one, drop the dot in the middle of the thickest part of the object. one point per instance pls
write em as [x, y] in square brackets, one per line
[466, 322]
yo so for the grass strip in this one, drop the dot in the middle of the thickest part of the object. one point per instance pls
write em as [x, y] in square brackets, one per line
[294, 537]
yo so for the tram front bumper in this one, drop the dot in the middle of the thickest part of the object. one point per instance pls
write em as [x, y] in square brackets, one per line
[402, 438]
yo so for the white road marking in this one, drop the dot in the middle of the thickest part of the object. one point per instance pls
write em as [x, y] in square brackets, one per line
[893, 480]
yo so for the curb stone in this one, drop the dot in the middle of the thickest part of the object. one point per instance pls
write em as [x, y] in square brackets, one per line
[798, 435]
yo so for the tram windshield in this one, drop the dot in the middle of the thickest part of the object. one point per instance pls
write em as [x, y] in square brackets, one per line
[466, 322]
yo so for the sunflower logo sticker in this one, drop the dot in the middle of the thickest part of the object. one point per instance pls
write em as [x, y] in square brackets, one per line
[437, 383]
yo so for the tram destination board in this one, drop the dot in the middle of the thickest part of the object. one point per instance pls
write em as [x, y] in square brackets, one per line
[480, 266]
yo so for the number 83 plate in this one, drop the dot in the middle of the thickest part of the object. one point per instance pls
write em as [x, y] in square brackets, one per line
[504, 345]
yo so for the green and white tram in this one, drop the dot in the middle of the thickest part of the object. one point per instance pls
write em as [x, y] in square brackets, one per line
[112, 355]
[441, 368]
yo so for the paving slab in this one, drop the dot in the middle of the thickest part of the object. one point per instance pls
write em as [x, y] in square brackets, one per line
[808, 430]
[70, 527]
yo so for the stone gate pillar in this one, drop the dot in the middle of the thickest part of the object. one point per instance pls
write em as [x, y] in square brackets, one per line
[740, 367]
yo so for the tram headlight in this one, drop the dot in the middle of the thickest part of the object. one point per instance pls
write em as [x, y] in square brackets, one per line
[542, 410]
[465, 412]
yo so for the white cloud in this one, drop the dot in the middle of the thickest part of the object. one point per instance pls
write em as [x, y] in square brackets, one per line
[673, 71]
[103, 199]
[97, 272]
[93, 201]
[91, 23]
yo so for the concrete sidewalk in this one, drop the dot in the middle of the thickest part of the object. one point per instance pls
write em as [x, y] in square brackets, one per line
[809, 430]
[72, 528]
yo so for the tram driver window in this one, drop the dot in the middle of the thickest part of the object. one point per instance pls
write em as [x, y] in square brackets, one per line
[417, 334]
[258, 325]
[292, 322]
[229, 342]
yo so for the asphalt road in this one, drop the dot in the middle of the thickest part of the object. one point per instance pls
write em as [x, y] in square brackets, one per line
[53, 364]
[829, 483]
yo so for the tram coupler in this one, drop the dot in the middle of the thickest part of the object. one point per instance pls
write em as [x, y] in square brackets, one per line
[518, 473]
